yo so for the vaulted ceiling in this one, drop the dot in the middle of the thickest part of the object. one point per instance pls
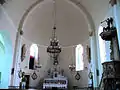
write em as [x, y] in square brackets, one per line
[72, 26]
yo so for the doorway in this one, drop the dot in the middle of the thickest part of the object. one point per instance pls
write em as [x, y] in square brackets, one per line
[27, 81]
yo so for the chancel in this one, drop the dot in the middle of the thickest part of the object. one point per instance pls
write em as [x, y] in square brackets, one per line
[60, 44]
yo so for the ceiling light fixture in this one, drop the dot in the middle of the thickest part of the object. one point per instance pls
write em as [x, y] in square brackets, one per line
[54, 48]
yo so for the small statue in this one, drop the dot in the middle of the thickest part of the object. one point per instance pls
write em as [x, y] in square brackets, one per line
[109, 22]
[23, 81]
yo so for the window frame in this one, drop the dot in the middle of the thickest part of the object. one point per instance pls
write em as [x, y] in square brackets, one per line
[79, 52]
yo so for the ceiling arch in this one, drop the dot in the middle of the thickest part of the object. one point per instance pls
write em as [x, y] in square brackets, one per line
[86, 14]
[72, 28]
[35, 5]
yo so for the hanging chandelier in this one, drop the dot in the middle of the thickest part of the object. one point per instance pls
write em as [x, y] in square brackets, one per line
[54, 48]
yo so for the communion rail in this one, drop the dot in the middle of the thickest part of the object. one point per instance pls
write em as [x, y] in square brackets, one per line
[74, 88]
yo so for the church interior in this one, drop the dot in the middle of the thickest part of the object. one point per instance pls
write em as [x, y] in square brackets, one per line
[60, 44]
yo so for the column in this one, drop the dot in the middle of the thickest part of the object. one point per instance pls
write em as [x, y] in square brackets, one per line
[15, 58]
[116, 8]
[94, 60]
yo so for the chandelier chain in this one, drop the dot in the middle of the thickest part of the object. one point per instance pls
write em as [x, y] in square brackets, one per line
[54, 18]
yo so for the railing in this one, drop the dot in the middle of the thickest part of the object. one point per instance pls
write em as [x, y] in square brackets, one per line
[74, 88]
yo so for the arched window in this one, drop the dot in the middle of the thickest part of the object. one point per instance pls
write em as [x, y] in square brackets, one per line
[34, 51]
[79, 58]
[33, 56]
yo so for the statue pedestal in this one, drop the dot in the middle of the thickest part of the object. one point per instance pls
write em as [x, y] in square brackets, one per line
[111, 75]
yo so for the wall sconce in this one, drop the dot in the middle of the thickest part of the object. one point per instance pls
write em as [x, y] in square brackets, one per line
[72, 67]
[38, 66]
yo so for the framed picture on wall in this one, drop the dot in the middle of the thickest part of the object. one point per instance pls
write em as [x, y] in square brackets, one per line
[23, 52]
[88, 50]
[34, 76]
[77, 76]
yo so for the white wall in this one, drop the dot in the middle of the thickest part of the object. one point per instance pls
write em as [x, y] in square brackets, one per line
[67, 57]
[16, 8]
[44, 61]
[7, 25]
